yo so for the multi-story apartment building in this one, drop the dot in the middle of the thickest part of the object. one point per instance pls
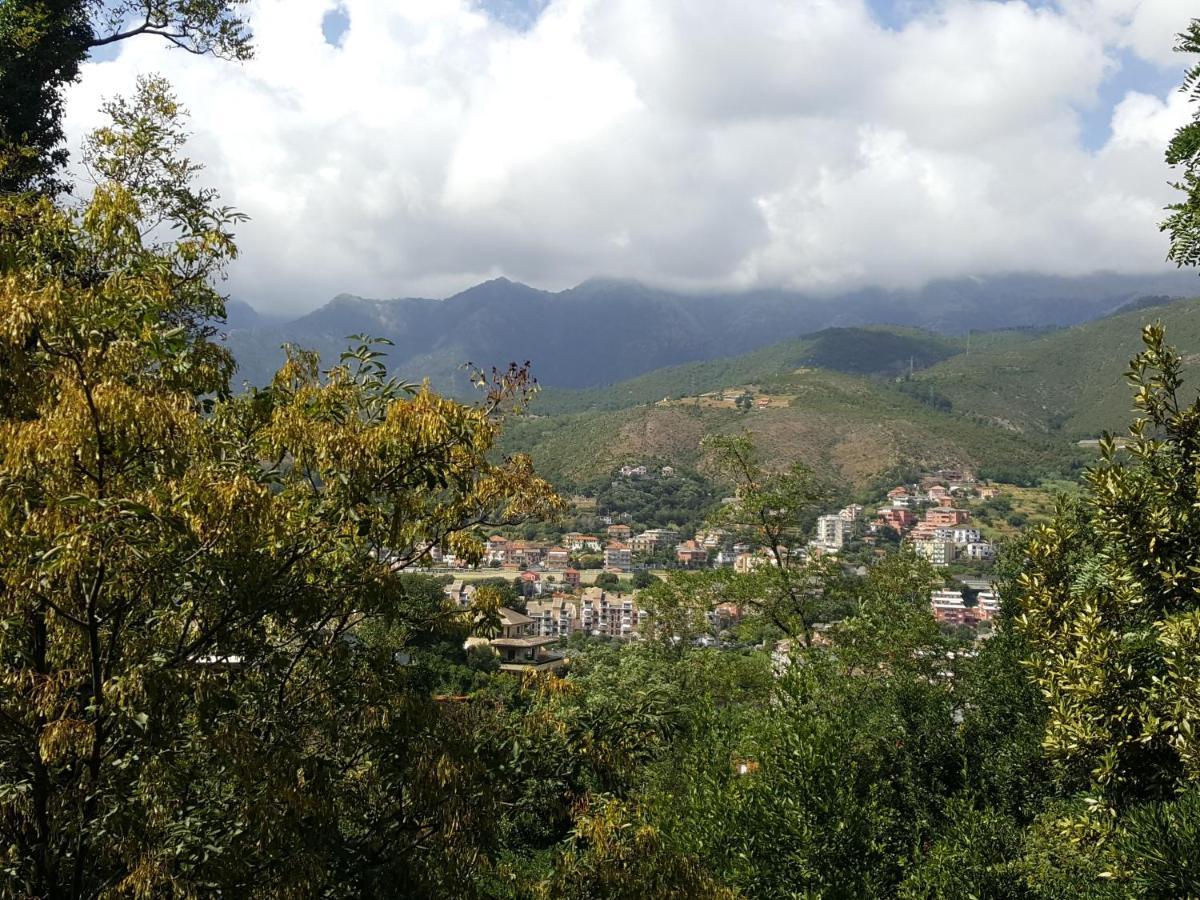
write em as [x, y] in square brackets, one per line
[940, 553]
[950, 608]
[653, 539]
[616, 615]
[980, 550]
[558, 616]
[832, 531]
[944, 515]
[959, 535]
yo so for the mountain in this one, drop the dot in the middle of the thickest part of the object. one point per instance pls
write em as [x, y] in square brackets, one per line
[604, 331]
[1069, 382]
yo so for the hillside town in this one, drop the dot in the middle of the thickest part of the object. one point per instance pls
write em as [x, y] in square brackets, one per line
[591, 583]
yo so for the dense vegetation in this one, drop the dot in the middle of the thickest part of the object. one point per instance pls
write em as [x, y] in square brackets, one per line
[216, 678]
[853, 428]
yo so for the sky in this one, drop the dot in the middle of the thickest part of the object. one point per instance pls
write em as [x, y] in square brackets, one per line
[392, 148]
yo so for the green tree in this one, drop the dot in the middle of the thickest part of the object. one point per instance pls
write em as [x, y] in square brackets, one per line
[44, 42]
[773, 511]
[188, 702]
[1183, 223]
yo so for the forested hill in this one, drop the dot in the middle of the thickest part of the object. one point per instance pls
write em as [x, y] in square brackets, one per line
[1069, 382]
[604, 331]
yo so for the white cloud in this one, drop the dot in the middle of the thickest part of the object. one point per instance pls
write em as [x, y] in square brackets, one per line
[698, 144]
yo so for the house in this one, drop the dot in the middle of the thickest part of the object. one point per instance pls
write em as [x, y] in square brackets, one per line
[712, 539]
[617, 556]
[558, 557]
[576, 541]
[530, 584]
[667, 471]
[520, 649]
[937, 493]
[571, 578]
[619, 532]
[691, 554]
[633, 471]
[496, 552]
[460, 593]
[989, 493]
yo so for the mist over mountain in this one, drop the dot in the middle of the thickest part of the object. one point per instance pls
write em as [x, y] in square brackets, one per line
[606, 330]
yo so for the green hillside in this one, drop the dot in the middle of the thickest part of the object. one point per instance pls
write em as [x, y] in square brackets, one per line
[1069, 382]
[876, 350]
[854, 428]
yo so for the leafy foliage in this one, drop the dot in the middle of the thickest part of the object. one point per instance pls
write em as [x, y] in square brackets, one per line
[43, 44]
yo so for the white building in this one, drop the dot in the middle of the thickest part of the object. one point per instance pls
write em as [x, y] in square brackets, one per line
[832, 531]
[980, 550]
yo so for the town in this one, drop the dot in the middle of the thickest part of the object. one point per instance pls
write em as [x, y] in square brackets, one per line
[593, 583]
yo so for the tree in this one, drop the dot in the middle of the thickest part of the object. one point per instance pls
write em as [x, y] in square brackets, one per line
[1109, 610]
[44, 42]
[643, 578]
[772, 511]
[1183, 224]
[188, 703]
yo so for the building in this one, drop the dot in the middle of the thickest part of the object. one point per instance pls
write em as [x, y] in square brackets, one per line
[558, 616]
[691, 554]
[633, 471]
[460, 593]
[558, 557]
[524, 553]
[980, 550]
[832, 531]
[571, 578]
[576, 541]
[950, 607]
[896, 517]
[617, 556]
[615, 615]
[619, 532]
[852, 514]
[939, 553]
[653, 540]
[520, 649]
[942, 515]
[496, 552]
[961, 535]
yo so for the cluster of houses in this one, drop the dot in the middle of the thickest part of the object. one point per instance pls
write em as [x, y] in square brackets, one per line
[930, 519]
[618, 547]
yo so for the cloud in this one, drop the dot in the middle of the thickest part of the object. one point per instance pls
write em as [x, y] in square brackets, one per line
[800, 143]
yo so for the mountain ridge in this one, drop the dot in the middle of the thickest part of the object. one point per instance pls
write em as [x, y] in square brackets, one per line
[604, 330]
